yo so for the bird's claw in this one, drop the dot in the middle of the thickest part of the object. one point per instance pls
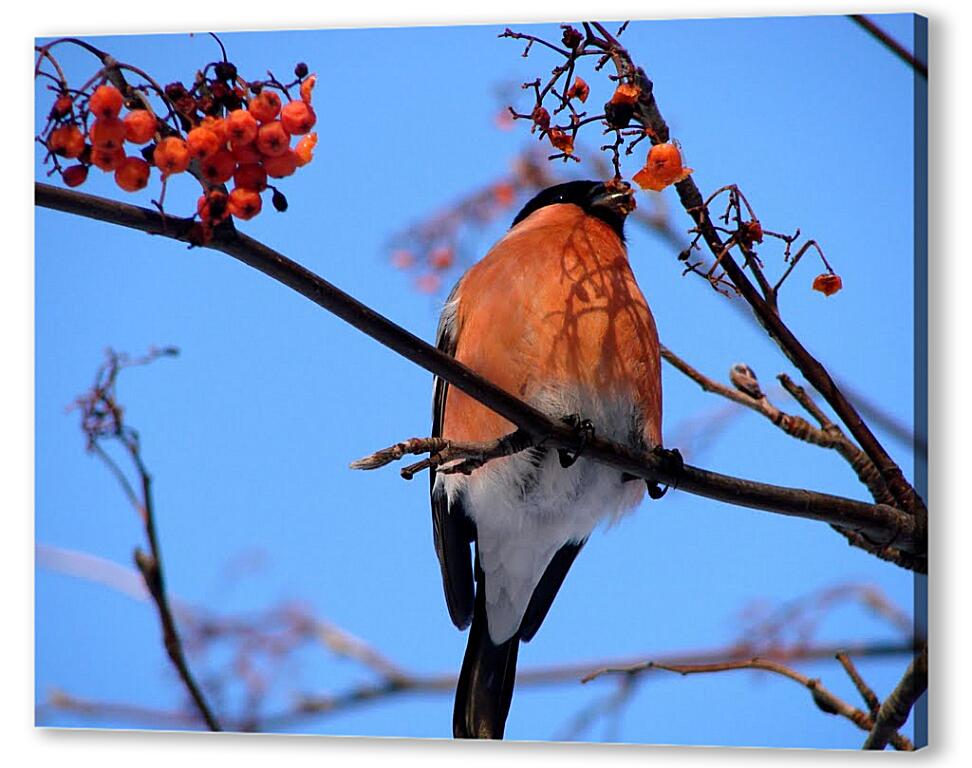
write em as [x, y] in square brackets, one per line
[672, 463]
[585, 431]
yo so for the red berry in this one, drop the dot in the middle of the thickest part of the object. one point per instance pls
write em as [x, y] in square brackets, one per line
[132, 174]
[297, 118]
[251, 176]
[244, 203]
[203, 142]
[265, 106]
[241, 127]
[66, 141]
[106, 102]
[281, 165]
[272, 140]
[107, 133]
[139, 126]
[75, 175]
[107, 159]
[171, 155]
[218, 167]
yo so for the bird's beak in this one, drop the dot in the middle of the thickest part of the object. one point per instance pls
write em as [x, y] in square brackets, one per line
[615, 196]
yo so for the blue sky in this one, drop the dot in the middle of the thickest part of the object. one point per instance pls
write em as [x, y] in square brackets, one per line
[249, 432]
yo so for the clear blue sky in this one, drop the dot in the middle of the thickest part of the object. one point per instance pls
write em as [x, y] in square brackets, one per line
[249, 432]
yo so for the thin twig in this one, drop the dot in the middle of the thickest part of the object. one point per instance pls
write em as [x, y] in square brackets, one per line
[893, 45]
[823, 698]
[897, 706]
[102, 420]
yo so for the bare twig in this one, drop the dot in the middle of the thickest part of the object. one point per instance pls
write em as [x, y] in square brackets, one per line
[823, 698]
[893, 45]
[870, 698]
[896, 708]
[102, 420]
[878, 522]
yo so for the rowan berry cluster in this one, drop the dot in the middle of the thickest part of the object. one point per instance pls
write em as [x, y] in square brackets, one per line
[222, 130]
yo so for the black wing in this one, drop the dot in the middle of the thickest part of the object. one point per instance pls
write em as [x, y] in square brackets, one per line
[547, 589]
[452, 530]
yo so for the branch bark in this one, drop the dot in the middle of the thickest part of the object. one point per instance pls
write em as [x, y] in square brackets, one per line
[896, 708]
[883, 524]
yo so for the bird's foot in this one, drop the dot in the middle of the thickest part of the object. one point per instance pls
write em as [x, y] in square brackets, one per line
[671, 460]
[585, 432]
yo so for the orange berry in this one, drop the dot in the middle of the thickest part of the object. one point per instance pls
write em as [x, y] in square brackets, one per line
[827, 284]
[213, 207]
[108, 133]
[306, 87]
[75, 175]
[662, 167]
[297, 118]
[203, 142]
[218, 167]
[626, 93]
[107, 159]
[251, 176]
[62, 105]
[561, 140]
[241, 126]
[245, 153]
[171, 155]
[272, 140]
[305, 148]
[244, 203]
[139, 126]
[580, 90]
[132, 174]
[217, 125]
[281, 165]
[66, 141]
[265, 106]
[106, 102]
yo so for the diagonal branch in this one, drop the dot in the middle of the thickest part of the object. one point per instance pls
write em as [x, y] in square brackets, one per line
[648, 114]
[896, 708]
[892, 45]
[879, 522]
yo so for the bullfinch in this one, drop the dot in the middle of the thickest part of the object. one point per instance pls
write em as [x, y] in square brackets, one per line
[553, 315]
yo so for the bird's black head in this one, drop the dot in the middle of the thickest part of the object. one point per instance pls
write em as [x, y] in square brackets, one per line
[611, 202]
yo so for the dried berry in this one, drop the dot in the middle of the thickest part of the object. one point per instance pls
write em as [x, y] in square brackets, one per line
[663, 167]
[828, 283]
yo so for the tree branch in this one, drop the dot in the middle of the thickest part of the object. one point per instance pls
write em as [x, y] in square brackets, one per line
[880, 523]
[102, 420]
[893, 45]
[648, 114]
[823, 698]
[897, 706]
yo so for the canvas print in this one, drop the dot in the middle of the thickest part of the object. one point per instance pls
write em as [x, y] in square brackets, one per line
[546, 382]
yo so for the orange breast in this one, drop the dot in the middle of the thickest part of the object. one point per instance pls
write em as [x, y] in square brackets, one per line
[553, 304]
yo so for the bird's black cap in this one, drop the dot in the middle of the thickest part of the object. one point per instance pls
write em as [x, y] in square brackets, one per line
[609, 202]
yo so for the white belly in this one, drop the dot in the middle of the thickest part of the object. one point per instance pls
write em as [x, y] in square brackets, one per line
[524, 514]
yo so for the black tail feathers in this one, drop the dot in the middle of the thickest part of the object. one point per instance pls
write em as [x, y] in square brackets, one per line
[485, 688]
